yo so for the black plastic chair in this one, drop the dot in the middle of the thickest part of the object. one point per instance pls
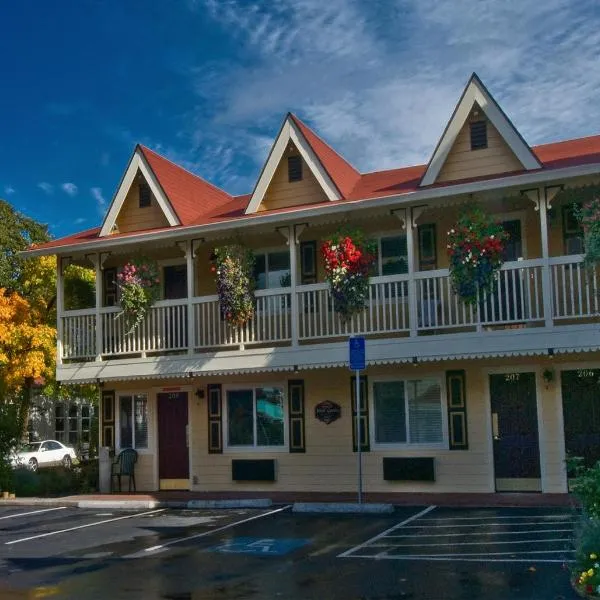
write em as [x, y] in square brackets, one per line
[124, 466]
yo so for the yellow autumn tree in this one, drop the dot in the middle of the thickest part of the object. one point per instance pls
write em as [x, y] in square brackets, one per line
[27, 344]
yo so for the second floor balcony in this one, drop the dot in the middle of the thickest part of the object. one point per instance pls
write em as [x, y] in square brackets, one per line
[534, 293]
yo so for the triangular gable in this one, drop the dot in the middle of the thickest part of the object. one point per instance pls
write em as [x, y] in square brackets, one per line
[323, 163]
[138, 165]
[476, 94]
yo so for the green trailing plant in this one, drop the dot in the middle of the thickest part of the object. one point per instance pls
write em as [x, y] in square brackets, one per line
[233, 266]
[139, 287]
[348, 256]
[475, 249]
[588, 214]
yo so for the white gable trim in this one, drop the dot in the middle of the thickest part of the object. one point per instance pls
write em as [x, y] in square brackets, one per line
[290, 132]
[476, 92]
[137, 162]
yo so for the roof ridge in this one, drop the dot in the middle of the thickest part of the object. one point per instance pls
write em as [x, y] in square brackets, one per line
[202, 179]
[303, 124]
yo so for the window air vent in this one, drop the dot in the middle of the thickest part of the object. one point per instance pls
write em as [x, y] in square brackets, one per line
[294, 168]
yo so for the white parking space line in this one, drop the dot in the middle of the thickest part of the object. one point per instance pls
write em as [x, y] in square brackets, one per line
[162, 547]
[49, 533]
[384, 533]
[33, 512]
[540, 538]
[454, 544]
[479, 533]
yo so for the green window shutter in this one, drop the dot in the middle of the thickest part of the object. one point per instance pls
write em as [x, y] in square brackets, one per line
[296, 415]
[215, 419]
[308, 262]
[364, 414]
[108, 418]
[456, 389]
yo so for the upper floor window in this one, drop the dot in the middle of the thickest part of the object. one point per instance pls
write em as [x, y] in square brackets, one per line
[408, 412]
[145, 195]
[272, 270]
[572, 231]
[392, 255]
[294, 168]
[478, 135]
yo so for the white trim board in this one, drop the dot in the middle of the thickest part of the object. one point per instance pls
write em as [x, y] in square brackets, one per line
[290, 132]
[137, 162]
[476, 92]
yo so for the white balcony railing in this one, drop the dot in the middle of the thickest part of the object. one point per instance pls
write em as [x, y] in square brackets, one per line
[519, 298]
[271, 322]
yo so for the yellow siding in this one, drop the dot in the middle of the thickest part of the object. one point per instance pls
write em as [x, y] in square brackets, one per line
[463, 163]
[133, 218]
[282, 194]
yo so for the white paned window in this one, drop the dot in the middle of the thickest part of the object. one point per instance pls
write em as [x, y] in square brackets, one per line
[255, 417]
[392, 255]
[133, 421]
[408, 412]
[272, 270]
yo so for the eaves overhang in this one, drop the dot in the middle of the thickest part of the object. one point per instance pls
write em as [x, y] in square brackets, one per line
[391, 201]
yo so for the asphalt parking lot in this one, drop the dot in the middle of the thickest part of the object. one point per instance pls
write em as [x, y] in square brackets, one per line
[417, 553]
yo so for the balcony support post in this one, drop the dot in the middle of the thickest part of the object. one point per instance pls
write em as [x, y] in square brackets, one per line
[97, 260]
[190, 253]
[60, 308]
[408, 216]
[291, 235]
[542, 200]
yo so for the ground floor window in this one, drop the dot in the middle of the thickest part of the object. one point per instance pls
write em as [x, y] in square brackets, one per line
[133, 424]
[255, 417]
[408, 412]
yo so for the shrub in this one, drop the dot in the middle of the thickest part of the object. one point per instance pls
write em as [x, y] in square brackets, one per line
[586, 487]
[81, 479]
[585, 571]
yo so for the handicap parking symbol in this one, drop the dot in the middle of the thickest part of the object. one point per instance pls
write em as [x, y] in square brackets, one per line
[260, 546]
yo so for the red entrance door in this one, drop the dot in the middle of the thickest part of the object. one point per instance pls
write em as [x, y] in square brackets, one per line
[173, 456]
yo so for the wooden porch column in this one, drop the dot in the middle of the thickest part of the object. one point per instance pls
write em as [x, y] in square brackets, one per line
[98, 261]
[60, 308]
[191, 247]
[408, 217]
[291, 235]
[542, 198]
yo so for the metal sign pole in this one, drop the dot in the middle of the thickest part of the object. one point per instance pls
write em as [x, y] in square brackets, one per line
[358, 437]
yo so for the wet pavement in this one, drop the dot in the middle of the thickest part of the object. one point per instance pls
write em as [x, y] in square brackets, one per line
[416, 553]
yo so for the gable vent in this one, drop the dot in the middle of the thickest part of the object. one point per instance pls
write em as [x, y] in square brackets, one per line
[478, 135]
[294, 168]
[145, 195]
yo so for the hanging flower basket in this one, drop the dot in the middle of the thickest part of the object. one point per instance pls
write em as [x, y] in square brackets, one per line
[234, 269]
[348, 257]
[475, 249]
[139, 288]
[589, 217]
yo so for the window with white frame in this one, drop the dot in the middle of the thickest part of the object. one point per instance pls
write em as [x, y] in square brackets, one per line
[255, 417]
[133, 421]
[59, 422]
[272, 269]
[392, 255]
[408, 412]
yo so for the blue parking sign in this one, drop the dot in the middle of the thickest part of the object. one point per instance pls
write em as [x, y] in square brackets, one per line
[356, 348]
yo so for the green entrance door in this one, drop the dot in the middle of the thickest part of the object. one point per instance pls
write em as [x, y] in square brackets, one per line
[581, 413]
[515, 432]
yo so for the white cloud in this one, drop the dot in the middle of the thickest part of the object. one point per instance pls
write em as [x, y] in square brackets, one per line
[79, 221]
[69, 188]
[46, 187]
[99, 198]
[9, 190]
[380, 80]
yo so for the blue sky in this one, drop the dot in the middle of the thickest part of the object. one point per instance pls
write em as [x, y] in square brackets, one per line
[207, 83]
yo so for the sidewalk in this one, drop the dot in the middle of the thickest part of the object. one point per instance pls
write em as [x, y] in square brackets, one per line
[183, 499]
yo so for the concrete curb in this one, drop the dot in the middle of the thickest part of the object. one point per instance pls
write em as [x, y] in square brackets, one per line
[241, 503]
[132, 504]
[342, 507]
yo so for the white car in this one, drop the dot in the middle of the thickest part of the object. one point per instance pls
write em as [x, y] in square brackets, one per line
[48, 453]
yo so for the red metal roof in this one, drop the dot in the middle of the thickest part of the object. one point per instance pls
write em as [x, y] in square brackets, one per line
[198, 202]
